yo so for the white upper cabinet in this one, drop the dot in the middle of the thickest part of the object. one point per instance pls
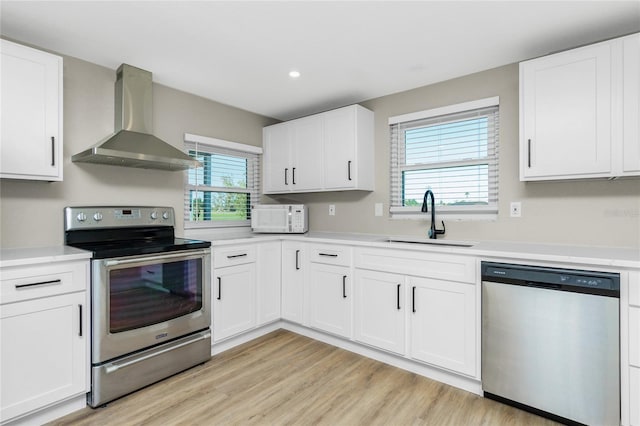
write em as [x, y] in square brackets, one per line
[348, 149]
[324, 152]
[572, 109]
[31, 93]
[631, 105]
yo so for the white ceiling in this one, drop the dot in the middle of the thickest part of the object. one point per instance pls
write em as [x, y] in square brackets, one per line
[240, 53]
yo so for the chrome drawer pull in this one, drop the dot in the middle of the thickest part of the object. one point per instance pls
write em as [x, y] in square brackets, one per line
[327, 254]
[19, 286]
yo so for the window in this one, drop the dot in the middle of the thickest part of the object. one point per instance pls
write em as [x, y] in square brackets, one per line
[222, 191]
[452, 151]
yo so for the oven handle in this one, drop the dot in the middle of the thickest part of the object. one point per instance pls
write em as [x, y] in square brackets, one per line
[115, 367]
[154, 258]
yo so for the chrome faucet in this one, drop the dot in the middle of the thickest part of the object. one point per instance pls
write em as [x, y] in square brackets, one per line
[433, 232]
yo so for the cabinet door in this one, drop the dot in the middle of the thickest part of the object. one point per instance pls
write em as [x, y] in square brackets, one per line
[293, 281]
[565, 107]
[634, 396]
[277, 158]
[340, 149]
[234, 300]
[269, 277]
[306, 170]
[631, 105]
[31, 93]
[380, 310]
[443, 324]
[44, 352]
[330, 299]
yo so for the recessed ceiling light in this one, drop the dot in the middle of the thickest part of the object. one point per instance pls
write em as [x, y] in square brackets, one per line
[294, 74]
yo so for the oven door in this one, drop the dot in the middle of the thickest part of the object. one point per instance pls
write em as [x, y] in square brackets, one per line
[141, 301]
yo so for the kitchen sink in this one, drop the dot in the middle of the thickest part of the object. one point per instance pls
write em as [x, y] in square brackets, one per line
[426, 241]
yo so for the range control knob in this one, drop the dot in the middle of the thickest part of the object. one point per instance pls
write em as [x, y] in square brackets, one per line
[165, 215]
[154, 215]
[97, 217]
[81, 217]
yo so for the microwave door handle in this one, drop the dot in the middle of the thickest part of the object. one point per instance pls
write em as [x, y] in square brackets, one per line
[155, 258]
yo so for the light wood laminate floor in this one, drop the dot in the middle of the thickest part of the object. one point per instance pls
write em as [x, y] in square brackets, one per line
[284, 378]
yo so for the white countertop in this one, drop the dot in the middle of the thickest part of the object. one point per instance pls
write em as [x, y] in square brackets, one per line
[617, 257]
[29, 256]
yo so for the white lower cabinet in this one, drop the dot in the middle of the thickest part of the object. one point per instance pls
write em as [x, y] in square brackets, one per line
[246, 287]
[269, 278]
[634, 396]
[443, 324]
[234, 290]
[380, 310]
[234, 300]
[293, 280]
[330, 298]
[44, 336]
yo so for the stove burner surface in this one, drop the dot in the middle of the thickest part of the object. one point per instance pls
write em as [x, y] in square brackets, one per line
[110, 249]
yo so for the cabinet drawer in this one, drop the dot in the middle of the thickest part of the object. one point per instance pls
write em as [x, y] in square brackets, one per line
[430, 265]
[634, 336]
[330, 254]
[233, 255]
[35, 281]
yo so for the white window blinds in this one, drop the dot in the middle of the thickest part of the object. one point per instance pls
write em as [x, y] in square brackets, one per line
[222, 191]
[452, 151]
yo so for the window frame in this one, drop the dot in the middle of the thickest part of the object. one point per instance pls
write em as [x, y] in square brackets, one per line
[218, 146]
[397, 166]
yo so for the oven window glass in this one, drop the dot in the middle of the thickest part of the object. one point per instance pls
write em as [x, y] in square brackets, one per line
[149, 294]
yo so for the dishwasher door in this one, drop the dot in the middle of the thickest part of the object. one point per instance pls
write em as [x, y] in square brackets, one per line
[551, 350]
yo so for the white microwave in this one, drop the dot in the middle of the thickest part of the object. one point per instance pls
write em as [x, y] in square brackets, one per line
[280, 218]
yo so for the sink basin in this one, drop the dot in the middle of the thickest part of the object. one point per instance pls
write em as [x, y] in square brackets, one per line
[426, 241]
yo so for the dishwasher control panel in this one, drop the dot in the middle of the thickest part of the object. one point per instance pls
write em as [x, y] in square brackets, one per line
[554, 278]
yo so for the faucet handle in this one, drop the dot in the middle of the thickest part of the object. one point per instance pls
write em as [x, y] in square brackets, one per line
[434, 232]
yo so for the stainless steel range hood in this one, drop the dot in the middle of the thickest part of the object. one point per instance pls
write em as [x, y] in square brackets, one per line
[132, 144]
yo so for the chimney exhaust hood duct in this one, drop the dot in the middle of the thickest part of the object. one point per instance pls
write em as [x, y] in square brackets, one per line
[132, 144]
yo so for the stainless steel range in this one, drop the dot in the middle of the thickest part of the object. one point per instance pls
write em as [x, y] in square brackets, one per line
[150, 301]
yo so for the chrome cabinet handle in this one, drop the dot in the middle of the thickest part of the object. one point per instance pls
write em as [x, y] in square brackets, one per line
[293, 176]
[398, 296]
[297, 259]
[327, 254]
[529, 153]
[19, 286]
[349, 169]
[219, 288]
[286, 173]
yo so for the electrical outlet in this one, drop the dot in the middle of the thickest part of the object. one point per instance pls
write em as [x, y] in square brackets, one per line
[515, 209]
[377, 209]
[332, 210]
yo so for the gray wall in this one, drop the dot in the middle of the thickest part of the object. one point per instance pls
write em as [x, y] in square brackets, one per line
[31, 212]
[602, 213]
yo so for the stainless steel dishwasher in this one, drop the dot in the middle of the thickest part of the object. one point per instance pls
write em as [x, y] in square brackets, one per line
[550, 341]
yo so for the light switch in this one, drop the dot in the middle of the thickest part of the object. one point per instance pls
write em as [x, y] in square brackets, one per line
[378, 209]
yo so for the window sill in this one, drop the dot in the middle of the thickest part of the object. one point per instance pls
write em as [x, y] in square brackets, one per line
[400, 213]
